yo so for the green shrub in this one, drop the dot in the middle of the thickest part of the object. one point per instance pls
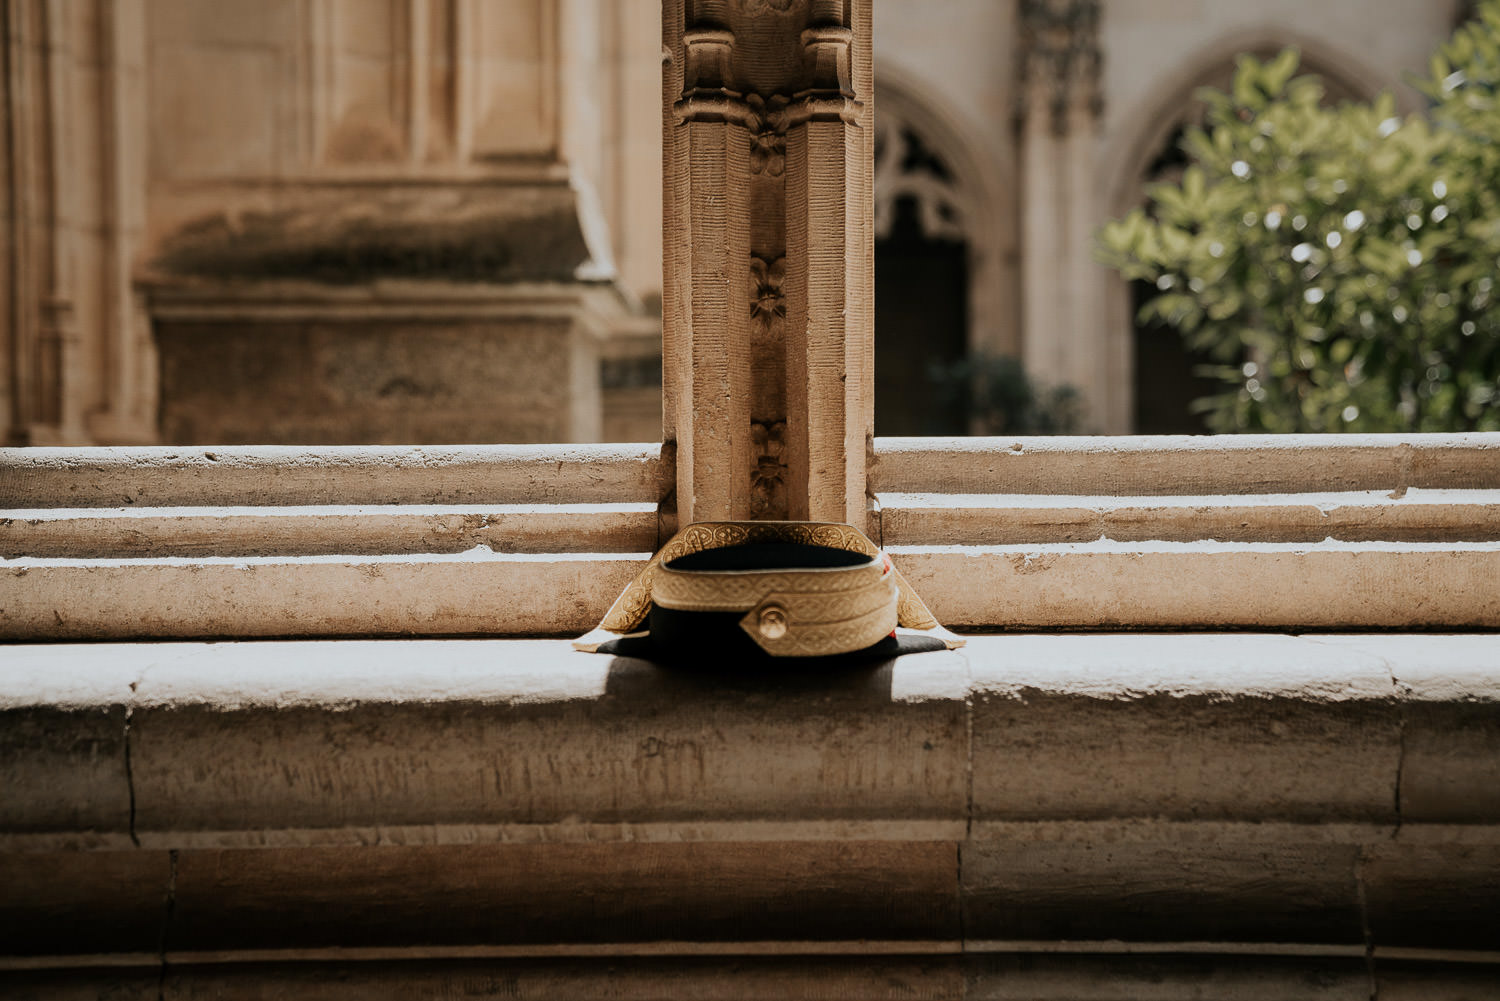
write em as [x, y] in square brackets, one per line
[1337, 264]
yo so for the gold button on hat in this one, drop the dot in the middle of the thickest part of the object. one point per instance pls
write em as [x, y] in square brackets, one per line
[773, 622]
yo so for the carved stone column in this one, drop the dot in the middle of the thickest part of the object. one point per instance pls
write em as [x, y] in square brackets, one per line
[1059, 108]
[768, 293]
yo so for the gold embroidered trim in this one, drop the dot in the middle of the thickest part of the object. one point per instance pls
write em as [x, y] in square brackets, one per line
[727, 591]
[630, 608]
[629, 611]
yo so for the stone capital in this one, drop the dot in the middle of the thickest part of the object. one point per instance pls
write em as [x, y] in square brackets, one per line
[1060, 60]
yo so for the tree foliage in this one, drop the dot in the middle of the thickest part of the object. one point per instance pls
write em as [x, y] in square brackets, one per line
[1339, 265]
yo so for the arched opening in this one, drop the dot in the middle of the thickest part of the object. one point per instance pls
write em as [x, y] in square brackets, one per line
[944, 260]
[1167, 376]
[922, 268]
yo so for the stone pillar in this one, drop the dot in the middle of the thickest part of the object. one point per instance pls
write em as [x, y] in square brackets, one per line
[1059, 108]
[39, 306]
[75, 354]
[768, 296]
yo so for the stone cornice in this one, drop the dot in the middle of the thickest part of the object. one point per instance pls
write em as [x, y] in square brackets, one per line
[1336, 795]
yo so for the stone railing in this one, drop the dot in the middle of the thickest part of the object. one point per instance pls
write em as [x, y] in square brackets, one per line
[1306, 815]
[1382, 531]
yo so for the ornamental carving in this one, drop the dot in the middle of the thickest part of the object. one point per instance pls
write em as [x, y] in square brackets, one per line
[767, 122]
[768, 477]
[761, 6]
[768, 308]
[907, 169]
[1060, 57]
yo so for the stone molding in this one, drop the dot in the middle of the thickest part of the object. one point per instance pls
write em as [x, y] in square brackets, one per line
[1284, 532]
[1134, 465]
[1332, 797]
[773, 972]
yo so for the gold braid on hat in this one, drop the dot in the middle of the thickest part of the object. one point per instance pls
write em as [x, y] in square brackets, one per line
[631, 608]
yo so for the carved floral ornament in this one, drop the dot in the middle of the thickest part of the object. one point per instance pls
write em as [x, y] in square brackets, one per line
[769, 474]
[767, 123]
[768, 308]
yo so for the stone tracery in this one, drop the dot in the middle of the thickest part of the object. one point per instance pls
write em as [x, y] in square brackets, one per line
[907, 168]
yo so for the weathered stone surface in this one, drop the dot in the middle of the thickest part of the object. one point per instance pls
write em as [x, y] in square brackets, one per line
[63, 759]
[360, 381]
[64, 734]
[717, 978]
[1161, 891]
[65, 771]
[1074, 977]
[1176, 585]
[512, 738]
[1418, 515]
[1450, 739]
[1102, 730]
[1187, 465]
[506, 233]
[131, 983]
[1432, 981]
[514, 894]
[1027, 977]
[81, 902]
[1435, 896]
[478, 794]
[270, 475]
[477, 592]
[1188, 728]
[372, 530]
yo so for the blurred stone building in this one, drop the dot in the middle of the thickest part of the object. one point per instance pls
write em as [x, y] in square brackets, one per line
[304, 221]
[329, 220]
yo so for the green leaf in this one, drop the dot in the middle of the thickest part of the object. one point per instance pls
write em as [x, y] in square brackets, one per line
[1396, 222]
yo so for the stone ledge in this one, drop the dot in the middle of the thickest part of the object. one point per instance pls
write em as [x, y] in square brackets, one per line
[1085, 465]
[473, 593]
[250, 742]
[482, 592]
[1417, 515]
[379, 541]
[331, 474]
[98, 534]
[1184, 585]
[1337, 791]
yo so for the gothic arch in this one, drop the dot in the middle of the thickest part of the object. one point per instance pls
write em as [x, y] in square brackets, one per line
[973, 203]
[1145, 131]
